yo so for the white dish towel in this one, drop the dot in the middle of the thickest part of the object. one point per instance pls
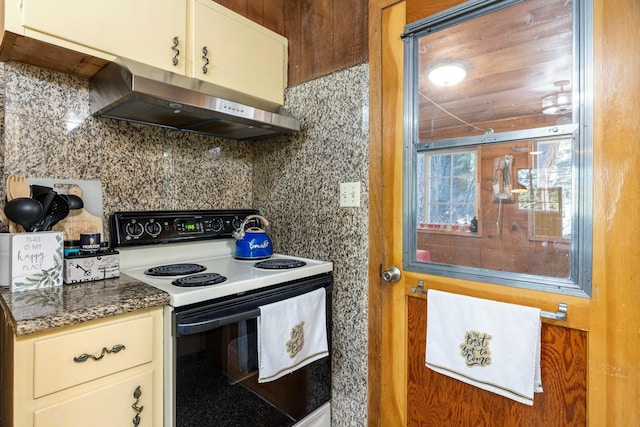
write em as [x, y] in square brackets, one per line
[492, 345]
[291, 334]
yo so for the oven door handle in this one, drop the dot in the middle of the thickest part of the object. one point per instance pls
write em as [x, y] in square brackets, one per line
[183, 329]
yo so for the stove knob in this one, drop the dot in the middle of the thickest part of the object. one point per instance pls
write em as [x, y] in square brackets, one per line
[236, 223]
[153, 228]
[217, 225]
[134, 228]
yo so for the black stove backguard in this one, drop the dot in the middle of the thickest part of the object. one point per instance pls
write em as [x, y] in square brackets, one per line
[160, 227]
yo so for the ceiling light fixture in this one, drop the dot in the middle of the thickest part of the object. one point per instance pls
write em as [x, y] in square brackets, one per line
[447, 74]
[558, 102]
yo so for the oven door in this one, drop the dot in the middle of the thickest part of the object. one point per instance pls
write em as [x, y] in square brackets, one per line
[216, 364]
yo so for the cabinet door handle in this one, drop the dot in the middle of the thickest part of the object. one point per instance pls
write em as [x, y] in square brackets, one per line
[83, 357]
[176, 50]
[205, 59]
[136, 395]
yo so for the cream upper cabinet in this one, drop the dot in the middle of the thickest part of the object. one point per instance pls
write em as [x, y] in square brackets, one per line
[196, 38]
[230, 50]
[149, 31]
[102, 373]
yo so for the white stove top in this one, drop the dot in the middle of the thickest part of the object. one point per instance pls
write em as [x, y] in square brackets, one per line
[217, 257]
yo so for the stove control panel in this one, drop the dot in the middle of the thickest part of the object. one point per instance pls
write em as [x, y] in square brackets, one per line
[156, 227]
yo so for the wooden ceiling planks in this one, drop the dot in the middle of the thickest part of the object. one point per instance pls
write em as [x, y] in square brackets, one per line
[512, 59]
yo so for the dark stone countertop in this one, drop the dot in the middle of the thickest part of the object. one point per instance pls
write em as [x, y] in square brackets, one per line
[42, 310]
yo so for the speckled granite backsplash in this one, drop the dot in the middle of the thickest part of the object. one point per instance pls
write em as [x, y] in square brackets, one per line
[293, 180]
[50, 133]
[296, 185]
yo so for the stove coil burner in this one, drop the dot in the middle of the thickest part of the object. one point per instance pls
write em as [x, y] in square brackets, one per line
[279, 264]
[175, 270]
[204, 279]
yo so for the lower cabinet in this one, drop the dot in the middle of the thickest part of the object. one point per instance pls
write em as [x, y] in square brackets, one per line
[111, 405]
[100, 373]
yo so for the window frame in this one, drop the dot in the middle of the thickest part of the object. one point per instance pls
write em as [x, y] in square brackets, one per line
[579, 281]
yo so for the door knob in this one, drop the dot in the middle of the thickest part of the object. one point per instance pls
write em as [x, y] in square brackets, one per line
[391, 274]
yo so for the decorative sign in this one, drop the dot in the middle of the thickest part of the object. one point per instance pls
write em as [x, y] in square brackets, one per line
[36, 260]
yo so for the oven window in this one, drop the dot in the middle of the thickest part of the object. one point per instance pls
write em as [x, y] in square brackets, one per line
[217, 382]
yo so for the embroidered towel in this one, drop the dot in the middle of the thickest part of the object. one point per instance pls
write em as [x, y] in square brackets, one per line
[492, 345]
[291, 334]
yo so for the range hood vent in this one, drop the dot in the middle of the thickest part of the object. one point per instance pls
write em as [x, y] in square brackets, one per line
[135, 92]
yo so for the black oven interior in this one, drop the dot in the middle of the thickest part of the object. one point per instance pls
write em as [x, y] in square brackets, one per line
[216, 366]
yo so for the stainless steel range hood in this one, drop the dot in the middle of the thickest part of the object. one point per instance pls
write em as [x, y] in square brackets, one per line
[129, 90]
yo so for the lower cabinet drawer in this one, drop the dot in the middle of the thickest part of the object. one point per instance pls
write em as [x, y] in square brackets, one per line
[116, 404]
[76, 357]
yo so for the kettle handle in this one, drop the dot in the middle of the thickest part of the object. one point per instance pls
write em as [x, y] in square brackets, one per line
[250, 217]
[239, 232]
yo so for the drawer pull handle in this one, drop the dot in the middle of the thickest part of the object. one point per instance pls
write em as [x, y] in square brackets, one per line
[176, 50]
[136, 394]
[83, 357]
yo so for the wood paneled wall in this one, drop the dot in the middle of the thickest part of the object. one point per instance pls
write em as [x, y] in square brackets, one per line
[418, 9]
[268, 13]
[324, 35]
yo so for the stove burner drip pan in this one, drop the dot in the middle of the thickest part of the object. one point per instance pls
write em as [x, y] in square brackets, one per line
[279, 264]
[175, 269]
[204, 279]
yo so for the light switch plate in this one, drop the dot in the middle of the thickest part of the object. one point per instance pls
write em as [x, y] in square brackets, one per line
[349, 194]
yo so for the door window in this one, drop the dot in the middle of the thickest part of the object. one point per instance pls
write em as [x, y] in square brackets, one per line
[498, 144]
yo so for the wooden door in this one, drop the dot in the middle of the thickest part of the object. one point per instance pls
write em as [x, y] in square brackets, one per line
[402, 390]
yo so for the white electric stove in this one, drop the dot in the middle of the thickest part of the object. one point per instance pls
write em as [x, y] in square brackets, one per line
[147, 240]
[215, 256]
[215, 299]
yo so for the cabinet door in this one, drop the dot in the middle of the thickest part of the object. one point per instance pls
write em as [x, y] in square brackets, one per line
[112, 405]
[141, 30]
[241, 55]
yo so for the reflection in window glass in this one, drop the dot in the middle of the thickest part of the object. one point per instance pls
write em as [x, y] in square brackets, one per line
[501, 72]
[505, 206]
[450, 183]
[545, 189]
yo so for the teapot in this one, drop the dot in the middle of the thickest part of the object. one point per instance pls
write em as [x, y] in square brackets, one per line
[252, 243]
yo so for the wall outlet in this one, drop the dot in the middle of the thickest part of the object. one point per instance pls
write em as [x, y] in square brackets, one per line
[349, 194]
